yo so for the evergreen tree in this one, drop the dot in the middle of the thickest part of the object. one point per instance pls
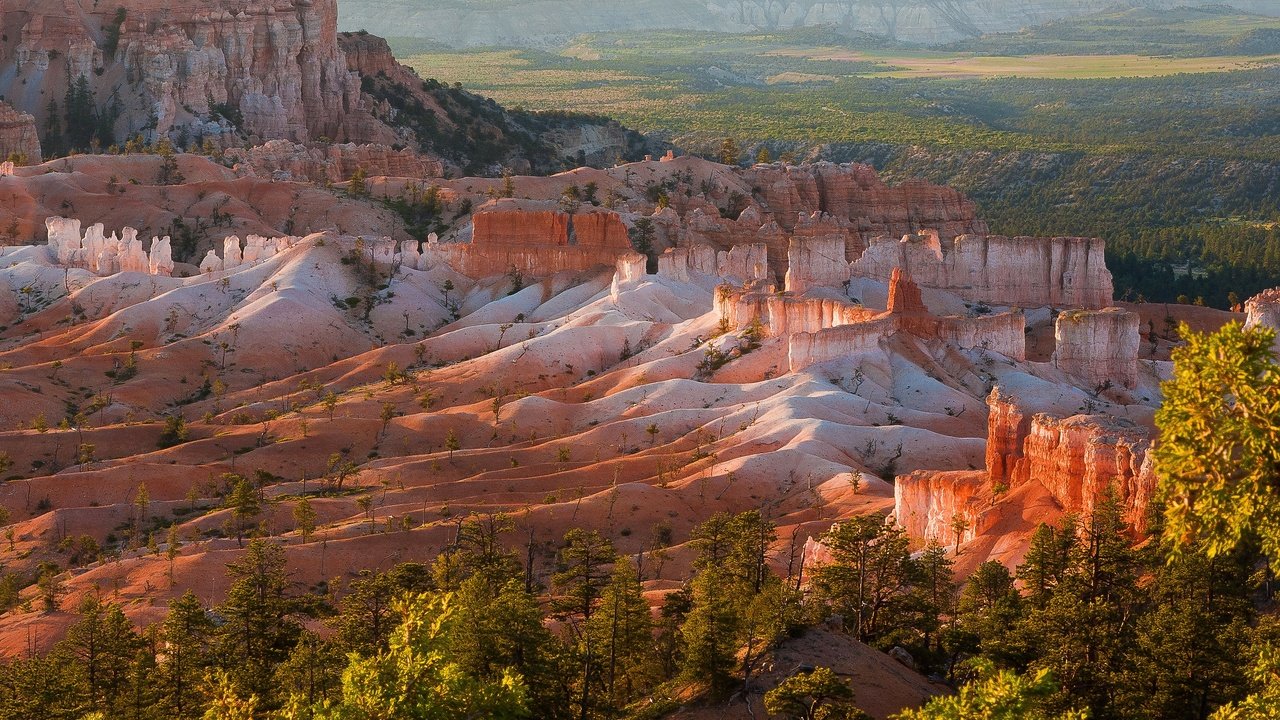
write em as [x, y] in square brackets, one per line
[1084, 629]
[989, 607]
[710, 630]
[996, 695]
[258, 629]
[186, 635]
[579, 584]
[815, 695]
[1186, 658]
[242, 501]
[105, 647]
[1218, 456]
[622, 632]
[506, 633]
[870, 577]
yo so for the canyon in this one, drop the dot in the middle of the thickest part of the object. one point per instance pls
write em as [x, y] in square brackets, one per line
[615, 349]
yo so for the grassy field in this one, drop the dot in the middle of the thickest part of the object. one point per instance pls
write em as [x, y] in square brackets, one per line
[1078, 67]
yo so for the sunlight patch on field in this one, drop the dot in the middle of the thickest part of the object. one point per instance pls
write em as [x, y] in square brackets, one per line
[950, 65]
[798, 77]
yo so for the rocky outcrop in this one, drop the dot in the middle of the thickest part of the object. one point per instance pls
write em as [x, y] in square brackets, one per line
[285, 160]
[855, 194]
[740, 264]
[274, 69]
[259, 249]
[938, 506]
[1098, 349]
[534, 239]
[1022, 271]
[1263, 310]
[1003, 333]
[816, 262]
[530, 223]
[103, 255]
[18, 137]
[783, 315]
[1075, 458]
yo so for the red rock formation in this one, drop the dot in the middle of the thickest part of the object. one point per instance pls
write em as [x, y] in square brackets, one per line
[854, 193]
[1098, 349]
[904, 294]
[509, 222]
[1069, 462]
[535, 239]
[1075, 458]
[927, 502]
[284, 160]
[1007, 425]
[18, 136]
[602, 229]
[278, 64]
[526, 223]
[785, 314]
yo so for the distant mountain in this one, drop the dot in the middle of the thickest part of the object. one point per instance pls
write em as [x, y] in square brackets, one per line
[538, 23]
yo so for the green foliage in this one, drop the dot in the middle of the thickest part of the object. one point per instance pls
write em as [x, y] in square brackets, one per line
[1219, 444]
[997, 695]
[175, 431]
[416, 678]
[815, 695]
[1265, 703]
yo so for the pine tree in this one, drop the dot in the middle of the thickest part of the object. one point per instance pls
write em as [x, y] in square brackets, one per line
[622, 632]
[186, 635]
[243, 503]
[1217, 457]
[870, 577]
[258, 629]
[709, 634]
[506, 633]
[105, 645]
[579, 585]
[304, 517]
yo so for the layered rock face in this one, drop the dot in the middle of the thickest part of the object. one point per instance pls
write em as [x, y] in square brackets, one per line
[1073, 460]
[285, 160]
[1022, 271]
[534, 239]
[527, 223]
[783, 315]
[1003, 333]
[18, 137]
[277, 64]
[856, 194]
[1098, 348]
[741, 264]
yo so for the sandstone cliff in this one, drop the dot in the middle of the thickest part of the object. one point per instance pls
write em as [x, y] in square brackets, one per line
[18, 137]
[274, 70]
[1040, 458]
